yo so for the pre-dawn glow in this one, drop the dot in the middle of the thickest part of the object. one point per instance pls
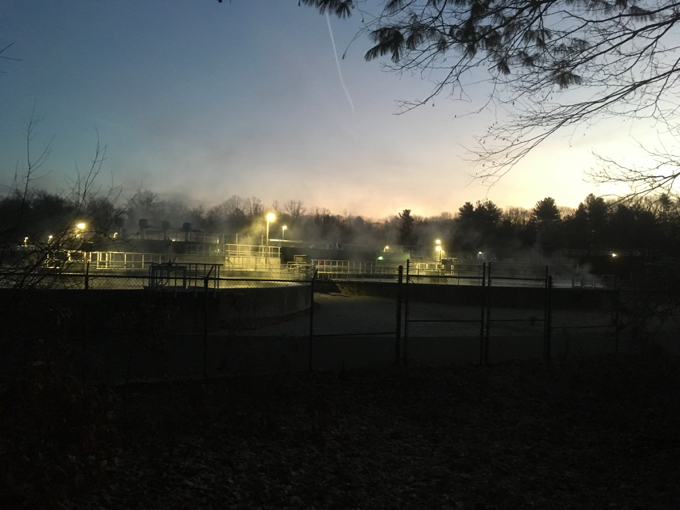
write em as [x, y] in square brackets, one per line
[202, 101]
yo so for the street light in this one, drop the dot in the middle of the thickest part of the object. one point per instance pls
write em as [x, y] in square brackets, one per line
[270, 217]
[283, 232]
[386, 248]
[79, 228]
[439, 249]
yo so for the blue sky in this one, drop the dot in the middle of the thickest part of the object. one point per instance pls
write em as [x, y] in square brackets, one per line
[203, 100]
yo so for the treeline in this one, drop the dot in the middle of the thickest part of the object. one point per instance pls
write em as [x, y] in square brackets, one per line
[651, 223]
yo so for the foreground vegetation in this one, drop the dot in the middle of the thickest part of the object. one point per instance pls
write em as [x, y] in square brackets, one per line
[583, 433]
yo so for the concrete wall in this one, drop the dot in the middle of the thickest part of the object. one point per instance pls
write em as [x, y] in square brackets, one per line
[272, 300]
[184, 311]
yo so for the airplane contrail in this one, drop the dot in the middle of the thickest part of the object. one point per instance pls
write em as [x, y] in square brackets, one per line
[337, 61]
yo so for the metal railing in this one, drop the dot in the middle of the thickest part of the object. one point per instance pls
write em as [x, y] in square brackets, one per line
[123, 260]
[185, 275]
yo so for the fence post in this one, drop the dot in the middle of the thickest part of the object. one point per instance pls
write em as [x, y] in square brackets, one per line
[482, 319]
[397, 341]
[311, 318]
[406, 311]
[617, 318]
[87, 308]
[488, 315]
[547, 315]
[86, 325]
[205, 329]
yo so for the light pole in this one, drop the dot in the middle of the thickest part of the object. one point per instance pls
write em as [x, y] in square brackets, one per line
[283, 232]
[439, 249]
[270, 217]
[80, 229]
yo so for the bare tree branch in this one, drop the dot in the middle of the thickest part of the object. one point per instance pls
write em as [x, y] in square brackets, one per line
[550, 64]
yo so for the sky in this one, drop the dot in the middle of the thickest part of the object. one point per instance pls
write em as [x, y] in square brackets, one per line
[204, 100]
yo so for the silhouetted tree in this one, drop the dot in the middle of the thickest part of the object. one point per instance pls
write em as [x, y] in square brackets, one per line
[406, 222]
[546, 222]
[622, 227]
[295, 209]
[545, 210]
[597, 210]
[477, 226]
[196, 216]
[322, 225]
[577, 230]
[645, 231]
[36, 226]
[487, 216]
[253, 208]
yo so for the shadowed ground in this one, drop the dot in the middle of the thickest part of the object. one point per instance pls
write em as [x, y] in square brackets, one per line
[356, 332]
[593, 434]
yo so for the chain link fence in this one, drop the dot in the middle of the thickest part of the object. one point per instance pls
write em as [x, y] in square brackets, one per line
[194, 322]
[507, 312]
